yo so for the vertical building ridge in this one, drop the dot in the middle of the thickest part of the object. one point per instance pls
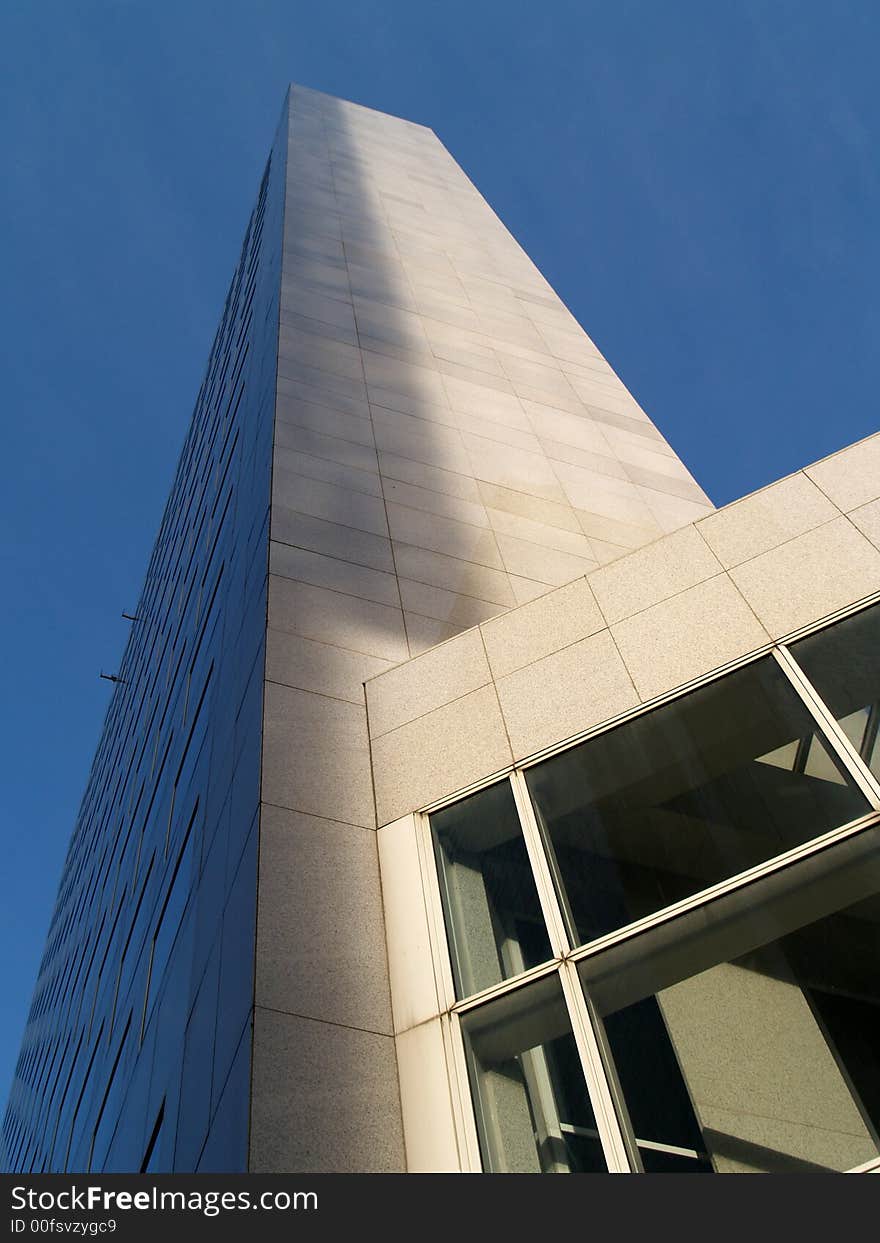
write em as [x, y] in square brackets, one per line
[402, 421]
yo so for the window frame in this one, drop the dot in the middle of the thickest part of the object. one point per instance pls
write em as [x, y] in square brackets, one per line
[606, 1097]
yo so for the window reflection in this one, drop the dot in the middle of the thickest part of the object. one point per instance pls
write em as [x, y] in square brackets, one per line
[533, 1112]
[493, 916]
[685, 796]
[746, 1035]
[843, 663]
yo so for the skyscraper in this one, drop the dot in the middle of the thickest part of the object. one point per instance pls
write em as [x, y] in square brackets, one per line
[458, 742]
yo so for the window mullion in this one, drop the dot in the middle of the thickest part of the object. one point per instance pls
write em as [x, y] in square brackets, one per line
[437, 934]
[621, 1156]
[829, 726]
[643, 927]
[461, 1095]
[869, 1167]
[547, 892]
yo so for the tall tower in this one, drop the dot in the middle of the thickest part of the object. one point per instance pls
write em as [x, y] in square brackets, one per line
[402, 432]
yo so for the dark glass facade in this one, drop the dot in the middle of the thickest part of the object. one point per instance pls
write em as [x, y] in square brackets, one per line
[137, 1052]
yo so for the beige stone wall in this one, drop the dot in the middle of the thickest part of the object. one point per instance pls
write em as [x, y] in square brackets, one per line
[741, 578]
[761, 1076]
[685, 605]
[471, 515]
[448, 444]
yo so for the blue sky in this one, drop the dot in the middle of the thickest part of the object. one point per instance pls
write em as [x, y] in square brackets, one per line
[698, 179]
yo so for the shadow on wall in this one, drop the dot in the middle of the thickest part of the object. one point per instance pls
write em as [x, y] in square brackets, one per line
[387, 245]
[412, 499]
[507, 457]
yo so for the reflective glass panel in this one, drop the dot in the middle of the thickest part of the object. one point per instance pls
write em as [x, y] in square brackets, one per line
[493, 916]
[843, 663]
[745, 1035]
[686, 796]
[530, 1097]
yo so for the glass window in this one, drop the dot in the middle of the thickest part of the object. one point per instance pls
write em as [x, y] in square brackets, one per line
[493, 917]
[745, 1036]
[533, 1112]
[683, 797]
[843, 663]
